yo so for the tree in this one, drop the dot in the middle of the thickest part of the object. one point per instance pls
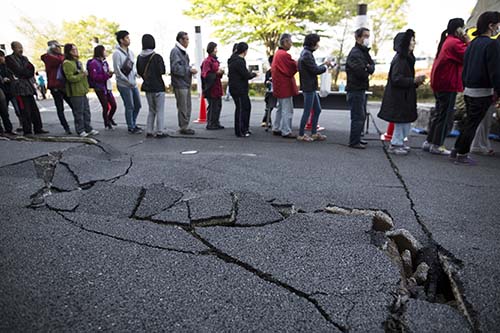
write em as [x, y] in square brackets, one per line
[387, 17]
[81, 33]
[264, 21]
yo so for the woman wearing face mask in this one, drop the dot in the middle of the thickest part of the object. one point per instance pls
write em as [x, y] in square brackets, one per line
[399, 105]
[446, 81]
[481, 76]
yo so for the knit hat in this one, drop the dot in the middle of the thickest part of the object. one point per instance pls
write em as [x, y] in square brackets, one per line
[211, 47]
[241, 47]
[148, 42]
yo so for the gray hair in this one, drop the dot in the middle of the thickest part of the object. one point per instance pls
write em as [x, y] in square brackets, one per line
[284, 37]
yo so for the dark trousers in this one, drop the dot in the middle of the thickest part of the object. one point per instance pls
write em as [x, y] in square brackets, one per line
[59, 98]
[271, 102]
[475, 110]
[108, 104]
[4, 113]
[30, 114]
[214, 109]
[443, 117]
[357, 103]
[242, 115]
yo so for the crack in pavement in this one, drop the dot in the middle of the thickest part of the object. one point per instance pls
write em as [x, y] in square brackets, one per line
[266, 277]
[118, 238]
[465, 307]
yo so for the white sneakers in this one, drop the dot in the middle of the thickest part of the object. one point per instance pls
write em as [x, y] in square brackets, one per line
[91, 133]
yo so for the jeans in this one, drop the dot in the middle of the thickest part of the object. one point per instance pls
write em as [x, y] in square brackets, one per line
[242, 114]
[475, 110]
[445, 109]
[311, 103]
[132, 101]
[59, 98]
[4, 113]
[108, 105]
[357, 103]
[214, 109]
[183, 100]
[401, 131]
[81, 114]
[284, 116]
[156, 102]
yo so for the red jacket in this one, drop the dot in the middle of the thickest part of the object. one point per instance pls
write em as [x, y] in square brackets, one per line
[283, 71]
[211, 65]
[446, 75]
[52, 62]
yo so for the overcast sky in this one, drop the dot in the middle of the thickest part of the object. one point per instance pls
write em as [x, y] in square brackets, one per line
[164, 19]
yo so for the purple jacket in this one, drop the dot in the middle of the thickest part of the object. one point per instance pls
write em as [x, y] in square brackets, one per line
[98, 73]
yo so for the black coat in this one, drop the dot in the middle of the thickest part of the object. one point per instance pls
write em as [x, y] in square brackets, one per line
[153, 78]
[359, 67]
[238, 76]
[309, 70]
[400, 96]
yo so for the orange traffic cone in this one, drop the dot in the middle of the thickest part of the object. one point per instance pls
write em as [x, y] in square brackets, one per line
[309, 123]
[387, 136]
[202, 118]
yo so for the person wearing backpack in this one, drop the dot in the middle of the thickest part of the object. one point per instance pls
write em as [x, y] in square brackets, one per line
[53, 59]
[125, 71]
[150, 67]
[211, 75]
[77, 87]
[99, 75]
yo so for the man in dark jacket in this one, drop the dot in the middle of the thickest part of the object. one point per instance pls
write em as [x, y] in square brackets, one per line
[481, 78]
[238, 87]
[4, 101]
[211, 75]
[52, 60]
[150, 67]
[181, 73]
[23, 88]
[359, 67]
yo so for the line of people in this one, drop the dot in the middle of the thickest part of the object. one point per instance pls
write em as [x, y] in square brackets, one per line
[458, 59]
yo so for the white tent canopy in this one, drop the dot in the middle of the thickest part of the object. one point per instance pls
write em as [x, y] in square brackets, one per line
[481, 7]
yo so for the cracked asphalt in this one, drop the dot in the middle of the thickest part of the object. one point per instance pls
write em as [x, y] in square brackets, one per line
[131, 235]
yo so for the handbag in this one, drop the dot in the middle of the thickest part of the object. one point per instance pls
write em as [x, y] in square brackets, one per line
[144, 75]
[127, 66]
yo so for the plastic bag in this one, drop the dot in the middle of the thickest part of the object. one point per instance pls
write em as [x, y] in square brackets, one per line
[326, 84]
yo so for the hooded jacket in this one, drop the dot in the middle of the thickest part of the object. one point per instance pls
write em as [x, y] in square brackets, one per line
[446, 75]
[153, 74]
[98, 73]
[180, 69]
[399, 104]
[238, 76]
[119, 57]
[283, 70]
[52, 62]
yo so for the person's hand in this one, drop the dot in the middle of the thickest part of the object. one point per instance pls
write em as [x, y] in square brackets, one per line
[6, 80]
[220, 71]
[85, 73]
[420, 79]
[111, 73]
[193, 70]
[327, 62]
